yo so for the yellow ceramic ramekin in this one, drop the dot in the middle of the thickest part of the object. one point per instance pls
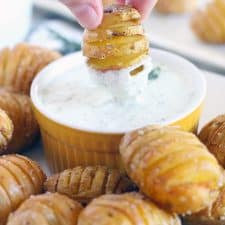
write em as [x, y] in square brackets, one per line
[67, 146]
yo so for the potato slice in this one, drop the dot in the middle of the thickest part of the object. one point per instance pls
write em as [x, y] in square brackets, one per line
[102, 35]
[116, 47]
[116, 63]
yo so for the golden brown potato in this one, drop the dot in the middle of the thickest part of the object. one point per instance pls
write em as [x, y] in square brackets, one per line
[176, 6]
[118, 42]
[94, 36]
[209, 23]
[20, 178]
[172, 167]
[214, 214]
[86, 183]
[6, 130]
[46, 209]
[108, 2]
[19, 109]
[115, 15]
[119, 47]
[19, 66]
[213, 136]
[126, 209]
[116, 63]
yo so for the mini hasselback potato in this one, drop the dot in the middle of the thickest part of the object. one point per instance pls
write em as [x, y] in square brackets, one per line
[214, 214]
[119, 42]
[172, 167]
[86, 183]
[25, 128]
[176, 6]
[19, 65]
[46, 209]
[213, 136]
[6, 130]
[125, 209]
[209, 23]
[20, 178]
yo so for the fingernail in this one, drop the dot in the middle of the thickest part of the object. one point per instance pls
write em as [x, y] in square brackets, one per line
[87, 16]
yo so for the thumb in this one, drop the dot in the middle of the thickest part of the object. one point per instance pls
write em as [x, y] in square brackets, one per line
[88, 12]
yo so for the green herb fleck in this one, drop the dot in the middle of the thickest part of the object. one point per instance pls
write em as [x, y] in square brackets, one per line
[154, 74]
[68, 45]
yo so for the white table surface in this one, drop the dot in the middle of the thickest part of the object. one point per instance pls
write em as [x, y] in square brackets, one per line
[214, 105]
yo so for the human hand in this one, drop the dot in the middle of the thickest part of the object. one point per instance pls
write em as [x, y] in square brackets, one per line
[89, 12]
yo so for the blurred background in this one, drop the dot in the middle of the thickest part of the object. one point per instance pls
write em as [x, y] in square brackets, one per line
[50, 24]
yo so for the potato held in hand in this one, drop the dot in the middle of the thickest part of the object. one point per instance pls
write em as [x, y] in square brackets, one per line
[213, 136]
[86, 183]
[172, 167]
[25, 128]
[19, 66]
[20, 177]
[47, 209]
[126, 209]
[119, 42]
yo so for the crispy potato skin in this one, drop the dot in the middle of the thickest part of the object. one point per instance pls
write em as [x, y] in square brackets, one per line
[209, 24]
[86, 183]
[6, 130]
[213, 136]
[176, 6]
[126, 209]
[20, 178]
[19, 66]
[212, 215]
[118, 42]
[172, 167]
[46, 209]
[19, 109]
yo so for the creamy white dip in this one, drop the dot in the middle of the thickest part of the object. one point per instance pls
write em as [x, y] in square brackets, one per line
[90, 101]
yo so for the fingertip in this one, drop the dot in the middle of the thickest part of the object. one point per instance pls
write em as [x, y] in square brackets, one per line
[88, 13]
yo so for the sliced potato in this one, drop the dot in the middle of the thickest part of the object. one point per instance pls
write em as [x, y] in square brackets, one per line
[116, 47]
[99, 34]
[116, 63]
[117, 14]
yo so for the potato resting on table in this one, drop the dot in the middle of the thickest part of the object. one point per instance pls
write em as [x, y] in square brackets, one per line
[125, 209]
[176, 6]
[172, 167]
[213, 136]
[25, 128]
[119, 42]
[6, 130]
[208, 23]
[20, 178]
[214, 215]
[19, 65]
[86, 183]
[46, 209]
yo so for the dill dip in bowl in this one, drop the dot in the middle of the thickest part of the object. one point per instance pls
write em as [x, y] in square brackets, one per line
[83, 114]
